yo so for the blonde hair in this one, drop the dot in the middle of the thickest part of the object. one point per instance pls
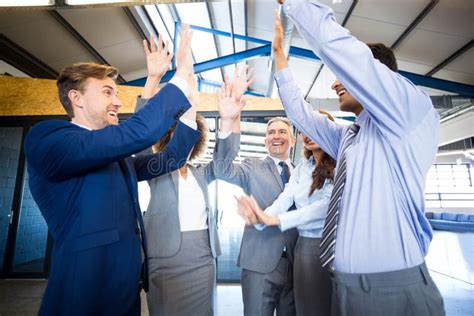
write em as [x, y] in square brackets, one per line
[74, 77]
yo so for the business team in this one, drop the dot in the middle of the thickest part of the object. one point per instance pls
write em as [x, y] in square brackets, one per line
[359, 196]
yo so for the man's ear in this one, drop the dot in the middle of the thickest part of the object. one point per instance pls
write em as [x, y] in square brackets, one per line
[75, 97]
[293, 141]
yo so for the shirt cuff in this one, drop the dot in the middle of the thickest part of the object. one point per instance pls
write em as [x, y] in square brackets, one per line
[260, 226]
[223, 135]
[283, 222]
[181, 84]
[289, 5]
[188, 122]
[283, 76]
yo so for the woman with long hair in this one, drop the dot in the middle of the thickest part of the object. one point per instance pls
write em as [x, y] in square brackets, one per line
[309, 189]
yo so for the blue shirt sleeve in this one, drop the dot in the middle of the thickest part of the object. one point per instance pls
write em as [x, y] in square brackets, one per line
[382, 92]
[313, 124]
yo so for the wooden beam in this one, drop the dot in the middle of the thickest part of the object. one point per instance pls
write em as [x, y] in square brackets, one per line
[28, 96]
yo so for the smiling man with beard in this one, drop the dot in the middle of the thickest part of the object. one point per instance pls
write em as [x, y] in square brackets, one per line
[84, 180]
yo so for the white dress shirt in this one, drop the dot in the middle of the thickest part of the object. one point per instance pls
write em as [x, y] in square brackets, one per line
[192, 206]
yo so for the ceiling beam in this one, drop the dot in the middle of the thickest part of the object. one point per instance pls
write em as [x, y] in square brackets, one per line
[413, 24]
[72, 31]
[422, 80]
[135, 23]
[451, 58]
[164, 22]
[313, 82]
[23, 60]
[349, 12]
[219, 85]
[177, 19]
[211, 22]
[229, 5]
[287, 26]
[227, 34]
[62, 4]
[439, 84]
[214, 63]
[246, 22]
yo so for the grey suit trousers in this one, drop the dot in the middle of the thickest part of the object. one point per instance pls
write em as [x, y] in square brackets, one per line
[263, 293]
[408, 292]
[183, 284]
[312, 282]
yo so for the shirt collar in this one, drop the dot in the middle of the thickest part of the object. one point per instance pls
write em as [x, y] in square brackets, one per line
[80, 125]
[362, 117]
[287, 161]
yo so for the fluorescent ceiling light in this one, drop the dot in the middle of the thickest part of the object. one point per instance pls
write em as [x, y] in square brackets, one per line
[83, 2]
[25, 3]
[130, 2]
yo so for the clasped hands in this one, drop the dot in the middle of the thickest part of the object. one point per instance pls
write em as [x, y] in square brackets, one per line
[250, 211]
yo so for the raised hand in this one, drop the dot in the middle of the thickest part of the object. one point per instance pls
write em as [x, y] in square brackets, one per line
[229, 106]
[277, 43]
[184, 57]
[242, 79]
[158, 59]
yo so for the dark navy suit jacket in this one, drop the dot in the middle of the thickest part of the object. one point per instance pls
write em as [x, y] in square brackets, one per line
[85, 184]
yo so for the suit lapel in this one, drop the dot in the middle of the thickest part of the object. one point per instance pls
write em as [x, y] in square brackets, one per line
[274, 170]
[175, 177]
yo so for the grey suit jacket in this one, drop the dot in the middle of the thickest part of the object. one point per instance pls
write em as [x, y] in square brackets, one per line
[260, 251]
[162, 216]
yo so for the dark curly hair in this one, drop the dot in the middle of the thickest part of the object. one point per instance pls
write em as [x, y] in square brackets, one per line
[324, 168]
[200, 146]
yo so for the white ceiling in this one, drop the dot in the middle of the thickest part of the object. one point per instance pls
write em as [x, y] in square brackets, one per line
[443, 31]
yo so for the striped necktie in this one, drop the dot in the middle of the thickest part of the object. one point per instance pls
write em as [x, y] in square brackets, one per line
[328, 239]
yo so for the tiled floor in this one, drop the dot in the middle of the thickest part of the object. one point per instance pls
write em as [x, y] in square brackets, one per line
[451, 263]
[450, 260]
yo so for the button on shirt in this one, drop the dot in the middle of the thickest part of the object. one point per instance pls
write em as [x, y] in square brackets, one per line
[382, 226]
[310, 211]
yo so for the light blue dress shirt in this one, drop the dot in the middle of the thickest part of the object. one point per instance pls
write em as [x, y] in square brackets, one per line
[382, 226]
[310, 211]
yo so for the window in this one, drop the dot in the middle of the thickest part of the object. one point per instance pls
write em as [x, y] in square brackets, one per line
[449, 186]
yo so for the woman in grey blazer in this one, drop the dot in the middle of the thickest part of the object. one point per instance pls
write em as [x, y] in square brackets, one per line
[182, 237]
[180, 223]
